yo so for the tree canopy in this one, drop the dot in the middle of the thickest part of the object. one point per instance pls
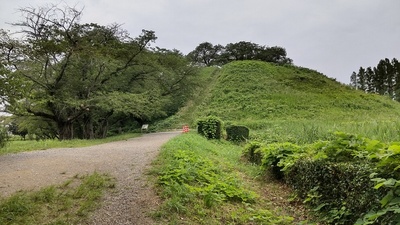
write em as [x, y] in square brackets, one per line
[76, 77]
[208, 54]
[383, 79]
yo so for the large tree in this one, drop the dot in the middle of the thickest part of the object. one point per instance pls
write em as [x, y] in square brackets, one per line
[382, 79]
[209, 54]
[65, 66]
[206, 54]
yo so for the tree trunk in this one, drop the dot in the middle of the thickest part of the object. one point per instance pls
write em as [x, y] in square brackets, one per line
[88, 130]
[65, 130]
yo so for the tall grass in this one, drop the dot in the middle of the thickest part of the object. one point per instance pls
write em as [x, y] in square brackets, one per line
[289, 103]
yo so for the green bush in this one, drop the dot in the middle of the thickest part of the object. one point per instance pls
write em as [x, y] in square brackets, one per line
[343, 192]
[237, 133]
[275, 154]
[347, 180]
[210, 127]
[253, 152]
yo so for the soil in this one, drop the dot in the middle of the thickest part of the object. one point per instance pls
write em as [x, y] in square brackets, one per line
[126, 161]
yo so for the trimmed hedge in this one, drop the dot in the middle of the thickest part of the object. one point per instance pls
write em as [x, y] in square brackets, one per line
[210, 127]
[237, 133]
[343, 192]
[347, 180]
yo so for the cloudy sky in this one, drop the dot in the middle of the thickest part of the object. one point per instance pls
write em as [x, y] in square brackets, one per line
[334, 37]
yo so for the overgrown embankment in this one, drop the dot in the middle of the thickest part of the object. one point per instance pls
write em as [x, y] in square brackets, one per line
[334, 146]
[205, 182]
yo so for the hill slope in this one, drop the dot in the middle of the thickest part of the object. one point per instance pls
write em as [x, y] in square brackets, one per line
[288, 103]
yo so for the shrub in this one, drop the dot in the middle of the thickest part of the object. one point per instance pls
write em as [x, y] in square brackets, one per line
[342, 191]
[275, 154]
[253, 152]
[210, 127]
[237, 133]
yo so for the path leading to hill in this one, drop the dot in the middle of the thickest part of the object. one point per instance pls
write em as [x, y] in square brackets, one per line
[124, 160]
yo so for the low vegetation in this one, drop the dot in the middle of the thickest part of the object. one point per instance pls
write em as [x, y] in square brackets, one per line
[69, 203]
[17, 145]
[335, 148]
[204, 182]
[347, 180]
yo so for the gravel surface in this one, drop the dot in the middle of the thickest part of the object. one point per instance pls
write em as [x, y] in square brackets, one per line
[126, 161]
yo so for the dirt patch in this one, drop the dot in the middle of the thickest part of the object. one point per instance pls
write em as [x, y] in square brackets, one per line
[126, 160]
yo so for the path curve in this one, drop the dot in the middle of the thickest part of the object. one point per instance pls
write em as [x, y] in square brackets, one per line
[124, 160]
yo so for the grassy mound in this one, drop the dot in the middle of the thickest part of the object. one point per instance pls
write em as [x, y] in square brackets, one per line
[289, 103]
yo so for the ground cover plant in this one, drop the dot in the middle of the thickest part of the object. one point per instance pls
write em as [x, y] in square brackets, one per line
[69, 203]
[203, 181]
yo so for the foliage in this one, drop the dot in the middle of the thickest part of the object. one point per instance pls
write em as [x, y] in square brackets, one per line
[206, 54]
[210, 127]
[253, 152]
[200, 181]
[294, 104]
[209, 54]
[237, 133]
[383, 79]
[275, 154]
[202, 178]
[341, 191]
[69, 203]
[3, 137]
[14, 129]
[70, 70]
[334, 177]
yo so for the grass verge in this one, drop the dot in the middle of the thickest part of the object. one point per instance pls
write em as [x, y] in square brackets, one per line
[205, 182]
[30, 145]
[69, 203]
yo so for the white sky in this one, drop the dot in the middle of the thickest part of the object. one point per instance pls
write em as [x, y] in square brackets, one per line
[334, 37]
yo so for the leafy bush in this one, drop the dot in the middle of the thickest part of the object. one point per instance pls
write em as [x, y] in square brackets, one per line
[210, 127]
[253, 152]
[274, 155]
[237, 133]
[349, 179]
[341, 191]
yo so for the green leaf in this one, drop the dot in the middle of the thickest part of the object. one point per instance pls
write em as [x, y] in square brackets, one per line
[385, 200]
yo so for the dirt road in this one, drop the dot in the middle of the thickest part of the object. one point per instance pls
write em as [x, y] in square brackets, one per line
[124, 160]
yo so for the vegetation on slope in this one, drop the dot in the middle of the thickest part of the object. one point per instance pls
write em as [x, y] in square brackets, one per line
[293, 114]
[289, 103]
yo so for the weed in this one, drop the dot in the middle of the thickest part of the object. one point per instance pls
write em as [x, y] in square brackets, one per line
[55, 205]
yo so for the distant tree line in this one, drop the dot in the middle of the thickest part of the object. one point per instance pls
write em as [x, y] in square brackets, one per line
[64, 79]
[383, 79]
[208, 54]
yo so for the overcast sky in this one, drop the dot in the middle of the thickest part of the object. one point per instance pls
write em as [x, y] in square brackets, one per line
[334, 37]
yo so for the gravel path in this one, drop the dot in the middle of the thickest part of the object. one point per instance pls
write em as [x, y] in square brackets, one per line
[124, 160]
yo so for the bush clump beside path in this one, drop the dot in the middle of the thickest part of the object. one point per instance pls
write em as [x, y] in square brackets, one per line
[348, 180]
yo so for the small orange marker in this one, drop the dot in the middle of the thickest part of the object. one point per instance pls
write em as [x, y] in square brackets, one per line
[185, 129]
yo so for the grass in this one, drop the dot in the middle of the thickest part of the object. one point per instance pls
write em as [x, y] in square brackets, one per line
[278, 104]
[206, 182]
[16, 146]
[289, 103]
[70, 203]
